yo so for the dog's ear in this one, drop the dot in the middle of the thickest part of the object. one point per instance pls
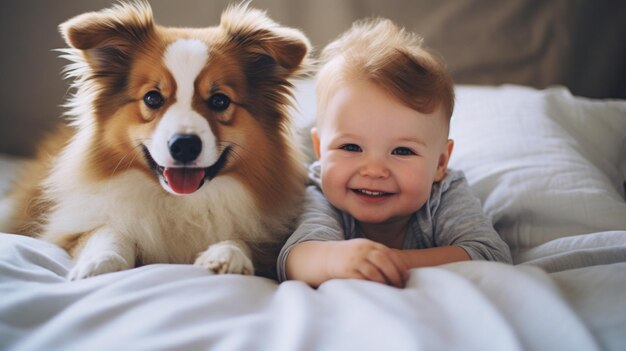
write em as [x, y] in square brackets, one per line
[252, 30]
[118, 26]
[109, 36]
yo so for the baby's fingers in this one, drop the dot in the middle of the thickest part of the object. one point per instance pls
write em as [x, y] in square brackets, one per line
[393, 272]
[400, 265]
[369, 271]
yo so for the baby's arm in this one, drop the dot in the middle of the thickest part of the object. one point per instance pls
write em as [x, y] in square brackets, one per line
[315, 262]
[432, 256]
[461, 221]
[318, 223]
[317, 251]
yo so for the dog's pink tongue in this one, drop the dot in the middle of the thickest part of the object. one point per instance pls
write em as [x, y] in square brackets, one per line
[184, 180]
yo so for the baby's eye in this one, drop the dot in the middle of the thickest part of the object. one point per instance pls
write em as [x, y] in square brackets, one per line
[351, 147]
[403, 151]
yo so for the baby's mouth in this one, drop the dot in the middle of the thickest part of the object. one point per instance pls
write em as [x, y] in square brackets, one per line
[372, 193]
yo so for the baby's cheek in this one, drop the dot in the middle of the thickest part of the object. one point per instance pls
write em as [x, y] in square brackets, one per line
[333, 191]
[329, 174]
[419, 192]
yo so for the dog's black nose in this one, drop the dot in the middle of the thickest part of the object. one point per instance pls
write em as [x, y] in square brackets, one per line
[185, 147]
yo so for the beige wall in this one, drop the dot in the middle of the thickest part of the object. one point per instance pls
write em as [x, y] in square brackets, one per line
[577, 43]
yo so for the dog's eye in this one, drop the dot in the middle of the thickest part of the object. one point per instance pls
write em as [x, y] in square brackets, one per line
[153, 99]
[218, 102]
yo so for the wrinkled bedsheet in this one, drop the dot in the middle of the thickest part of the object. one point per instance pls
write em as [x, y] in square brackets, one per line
[468, 305]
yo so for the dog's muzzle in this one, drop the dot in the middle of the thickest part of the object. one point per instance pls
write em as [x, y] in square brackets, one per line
[185, 148]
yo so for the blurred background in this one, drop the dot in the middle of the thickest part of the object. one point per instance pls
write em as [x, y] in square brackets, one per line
[576, 43]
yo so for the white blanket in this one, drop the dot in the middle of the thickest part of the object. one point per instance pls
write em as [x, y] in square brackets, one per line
[462, 306]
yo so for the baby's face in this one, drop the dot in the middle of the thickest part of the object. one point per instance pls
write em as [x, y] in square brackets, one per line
[379, 158]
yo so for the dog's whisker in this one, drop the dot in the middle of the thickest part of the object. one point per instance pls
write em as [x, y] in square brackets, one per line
[125, 156]
[235, 149]
[132, 160]
[235, 154]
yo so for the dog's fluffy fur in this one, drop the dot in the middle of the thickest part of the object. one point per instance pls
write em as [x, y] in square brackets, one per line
[111, 188]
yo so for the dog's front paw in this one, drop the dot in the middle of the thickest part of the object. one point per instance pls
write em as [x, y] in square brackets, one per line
[225, 257]
[104, 262]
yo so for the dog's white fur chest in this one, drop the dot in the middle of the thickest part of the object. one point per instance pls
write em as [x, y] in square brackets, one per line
[165, 228]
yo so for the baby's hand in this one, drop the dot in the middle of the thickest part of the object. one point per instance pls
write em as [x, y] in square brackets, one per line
[367, 259]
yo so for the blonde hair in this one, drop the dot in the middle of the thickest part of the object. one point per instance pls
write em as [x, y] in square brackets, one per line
[391, 58]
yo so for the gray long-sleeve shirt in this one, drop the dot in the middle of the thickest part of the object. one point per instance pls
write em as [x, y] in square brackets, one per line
[451, 216]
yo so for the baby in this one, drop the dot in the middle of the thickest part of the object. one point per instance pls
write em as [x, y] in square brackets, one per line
[384, 200]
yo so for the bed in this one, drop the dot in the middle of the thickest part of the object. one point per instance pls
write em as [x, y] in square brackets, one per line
[548, 165]
[550, 170]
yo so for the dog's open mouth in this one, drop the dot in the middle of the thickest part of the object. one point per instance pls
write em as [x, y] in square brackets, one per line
[186, 180]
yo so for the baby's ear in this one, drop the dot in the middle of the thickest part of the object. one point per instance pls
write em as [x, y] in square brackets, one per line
[444, 158]
[316, 142]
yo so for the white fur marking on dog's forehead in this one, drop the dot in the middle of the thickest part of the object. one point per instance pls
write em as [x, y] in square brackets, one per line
[185, 59]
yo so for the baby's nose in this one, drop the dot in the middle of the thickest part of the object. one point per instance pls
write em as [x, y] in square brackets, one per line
[374, 167]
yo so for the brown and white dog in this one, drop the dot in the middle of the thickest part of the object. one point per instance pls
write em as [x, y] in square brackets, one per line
[178, 148]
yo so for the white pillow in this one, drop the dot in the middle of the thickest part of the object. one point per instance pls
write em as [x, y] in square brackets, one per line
[544, 163]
